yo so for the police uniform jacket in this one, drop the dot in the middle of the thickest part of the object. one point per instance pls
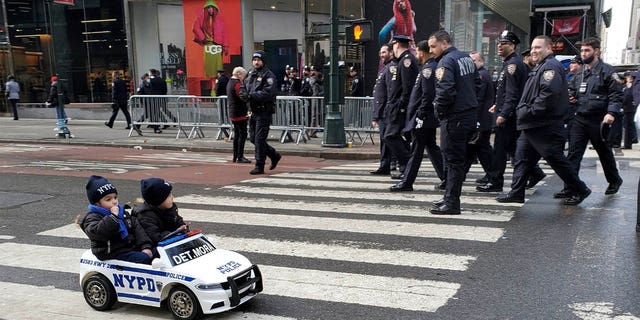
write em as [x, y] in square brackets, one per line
[106, 242]
[305, 87]
[221, 85]
[237, 98]
[400, 81]
[602, 95]
[545, 100]
[157, 222]
[421, 101]
[158, 86]
[262, 89]
[356, 87]
[635, 91]
[486, 97]
[456, 73]
[380, 91]
[510, 85]
[119, 92]
[627, 102]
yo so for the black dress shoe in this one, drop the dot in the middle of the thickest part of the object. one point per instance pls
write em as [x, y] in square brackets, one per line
[438, 203]
[613, 187]
[397, 176]
[243, 160]
[509, 198]
[106, 123]
[234, 159]
[157, 130]
[444, 209]
[380, 172]
[441, 186]
[274, 161]
[576, 198]
[257, 170]
[489, 187]
[400, 187]
[127, 127]
[483, 180]
[563, 194]
[534, 180]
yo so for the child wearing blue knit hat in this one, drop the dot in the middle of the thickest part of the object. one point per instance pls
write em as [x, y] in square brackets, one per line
[158, 215]
[113, 232]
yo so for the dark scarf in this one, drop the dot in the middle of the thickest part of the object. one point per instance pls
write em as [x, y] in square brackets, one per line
[124, 233]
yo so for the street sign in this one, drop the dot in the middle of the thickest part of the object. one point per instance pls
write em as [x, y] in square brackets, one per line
[359, 32]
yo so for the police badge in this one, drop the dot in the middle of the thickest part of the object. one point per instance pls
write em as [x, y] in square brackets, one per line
[511, 68]
[407, 62]
[439, 73]
[270, 81]
[548, 75]
[426, 72]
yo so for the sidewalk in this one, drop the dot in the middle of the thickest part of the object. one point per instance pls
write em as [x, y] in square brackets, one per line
[95, 133]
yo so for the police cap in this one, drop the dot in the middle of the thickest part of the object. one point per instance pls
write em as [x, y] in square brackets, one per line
[400, 38]
[509, 36]
[526, 53]
[576, 59]
[353, 68]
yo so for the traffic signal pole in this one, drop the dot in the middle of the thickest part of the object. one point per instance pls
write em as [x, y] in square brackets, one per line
[334, 135]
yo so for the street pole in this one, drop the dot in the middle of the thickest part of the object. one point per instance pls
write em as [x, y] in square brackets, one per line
[334, 123]
[8, 40]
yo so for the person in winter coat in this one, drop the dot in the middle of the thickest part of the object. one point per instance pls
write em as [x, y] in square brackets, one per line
[237, 98]
[158, 215]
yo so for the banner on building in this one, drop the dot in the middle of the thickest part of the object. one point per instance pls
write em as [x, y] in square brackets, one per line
[67, 2]
[213, 41]
[566, 26]
[557, 45]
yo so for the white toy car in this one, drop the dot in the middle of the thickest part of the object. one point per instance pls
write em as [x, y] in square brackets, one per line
[191, 276]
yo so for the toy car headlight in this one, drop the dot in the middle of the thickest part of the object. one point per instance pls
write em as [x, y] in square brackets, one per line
[209, 286]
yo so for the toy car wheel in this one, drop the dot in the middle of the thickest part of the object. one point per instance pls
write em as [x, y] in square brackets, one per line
[99, 293]
[183, 304]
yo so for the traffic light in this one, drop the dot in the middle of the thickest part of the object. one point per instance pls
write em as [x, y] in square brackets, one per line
[359, 32]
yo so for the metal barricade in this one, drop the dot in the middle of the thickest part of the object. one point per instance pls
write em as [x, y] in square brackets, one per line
[315, 116]
[357, 113]
[291, 116]
[212, 113]
[154, 110]
[188, 115]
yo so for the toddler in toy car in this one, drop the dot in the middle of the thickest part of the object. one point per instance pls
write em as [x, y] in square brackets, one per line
[158, 215]
[113, 232]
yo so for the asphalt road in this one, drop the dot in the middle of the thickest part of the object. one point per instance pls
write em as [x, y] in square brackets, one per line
[334, 243]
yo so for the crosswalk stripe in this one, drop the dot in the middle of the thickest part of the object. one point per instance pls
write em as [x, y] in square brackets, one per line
[353, 208]
[364, 167]
[318, 251]
[389, 292]
[432, 180]
[422, 230]
[58, 304]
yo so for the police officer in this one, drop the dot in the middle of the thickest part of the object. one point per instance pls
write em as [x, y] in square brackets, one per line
[630, 131]
[305, 86]
[598, 96]
[379, 102]
[539, 113]
[455, 105]
[422, 122]
[400, 81]
[481, 146]
[357, 85]
[261, 85]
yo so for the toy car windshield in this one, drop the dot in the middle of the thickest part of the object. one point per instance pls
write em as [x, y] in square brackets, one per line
[195, 248]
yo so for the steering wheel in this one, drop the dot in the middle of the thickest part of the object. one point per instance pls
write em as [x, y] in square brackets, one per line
[174, 233]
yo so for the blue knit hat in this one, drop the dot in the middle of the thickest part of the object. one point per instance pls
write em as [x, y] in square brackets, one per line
[155, 190]
[98, 187]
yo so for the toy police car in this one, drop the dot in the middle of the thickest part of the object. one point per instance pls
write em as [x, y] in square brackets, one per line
[191, 276]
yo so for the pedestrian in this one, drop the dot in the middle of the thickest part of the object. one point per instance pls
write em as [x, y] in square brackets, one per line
[526, 58]
[221, 83]
[540, 113]
[598, 97]
[400, 81]
[379, 103]
[481, 148]
[149, 110]
[317, 84]
[13, 94]
[119, 96]
[52, 99]
[295, 82]
[113, 232]
[262, 87]
[455, 105]
[158, 214]
[357, 85]
[630, 130]
[160, 111]
[237, 98]
[421, 121]
[305, 86]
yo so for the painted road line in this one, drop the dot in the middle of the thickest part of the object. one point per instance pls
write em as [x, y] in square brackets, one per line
[319, 251]
[379, 291]
[348, 177]
[46, 302]
[343, 207]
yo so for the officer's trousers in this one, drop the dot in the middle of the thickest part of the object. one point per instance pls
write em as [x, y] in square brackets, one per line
[630, 130]
[482, 150]
[421, 138]
[258, 133]
[455, 132]
[385, 153]
[583, 131]
[546, 142]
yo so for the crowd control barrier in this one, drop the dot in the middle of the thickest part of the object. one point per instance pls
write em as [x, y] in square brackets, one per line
[155, 110]
[357, 113]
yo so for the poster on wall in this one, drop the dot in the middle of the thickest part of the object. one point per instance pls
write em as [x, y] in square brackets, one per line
[213, 39]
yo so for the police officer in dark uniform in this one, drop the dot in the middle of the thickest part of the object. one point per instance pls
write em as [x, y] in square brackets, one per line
[357, 85]
[261, 85]
[543, 105]
[305, 86]
[422, 122]
[455, 105]
[400, 82]
[480, 147]
[379, 102]
[598, 96]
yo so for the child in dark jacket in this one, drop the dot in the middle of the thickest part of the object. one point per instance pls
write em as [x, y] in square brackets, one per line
[113, 232]
[158, 215]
